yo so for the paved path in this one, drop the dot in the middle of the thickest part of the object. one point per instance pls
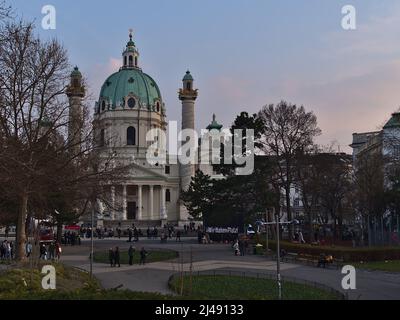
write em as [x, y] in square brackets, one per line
[153, 277]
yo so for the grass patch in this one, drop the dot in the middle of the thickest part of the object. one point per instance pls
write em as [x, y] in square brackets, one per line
[222, 287]
[389, 266]
[22, 283]
[153, 256]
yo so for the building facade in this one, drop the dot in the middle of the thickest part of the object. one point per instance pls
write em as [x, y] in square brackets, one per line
[130, 104]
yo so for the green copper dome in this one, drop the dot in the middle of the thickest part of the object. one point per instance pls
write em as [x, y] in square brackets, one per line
[214, 125]
[394, 121]
[76, 72]
[130, 81]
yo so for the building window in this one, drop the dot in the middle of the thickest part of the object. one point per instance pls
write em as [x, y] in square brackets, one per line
[102, 138]
[125, 61]
[131, 136]
[167, 169]
[188, 86]
[167, 195]
[103, 105]
[130, 61]
[158, 106]
[131, 103]
[135, 61]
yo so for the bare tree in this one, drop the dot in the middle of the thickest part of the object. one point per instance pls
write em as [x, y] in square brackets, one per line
[288, 131]
[43, 168]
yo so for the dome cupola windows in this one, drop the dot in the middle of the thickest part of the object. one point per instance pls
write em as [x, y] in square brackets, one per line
[130, 54]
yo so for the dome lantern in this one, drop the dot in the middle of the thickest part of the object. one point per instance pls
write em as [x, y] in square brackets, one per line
[130, 55]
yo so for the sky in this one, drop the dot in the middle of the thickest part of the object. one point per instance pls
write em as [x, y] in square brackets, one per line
[244, 54]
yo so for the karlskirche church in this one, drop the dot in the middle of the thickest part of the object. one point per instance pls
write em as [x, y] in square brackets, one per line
[130, 104]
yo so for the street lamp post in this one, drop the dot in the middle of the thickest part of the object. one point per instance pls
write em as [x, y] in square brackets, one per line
[91, 242]
[278, 251]
[266, 233]
[278, 259]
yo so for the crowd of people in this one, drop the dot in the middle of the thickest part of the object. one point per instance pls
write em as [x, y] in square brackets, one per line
[114, 256]
[51, 251]
[71, 238]
[7, 251]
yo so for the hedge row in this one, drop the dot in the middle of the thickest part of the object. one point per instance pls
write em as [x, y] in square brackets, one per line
[347, 254]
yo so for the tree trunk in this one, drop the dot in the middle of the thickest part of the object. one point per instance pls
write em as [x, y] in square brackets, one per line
[21, 234]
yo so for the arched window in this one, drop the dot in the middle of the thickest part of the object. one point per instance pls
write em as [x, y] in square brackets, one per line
[103, 105]
[125, 61]
[130, 61]
[131, 136]
[102, 138]
[135, 61]
[188, 86]
[158, 107]
[167, 195]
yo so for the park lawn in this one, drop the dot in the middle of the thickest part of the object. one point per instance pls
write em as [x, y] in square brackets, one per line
[389, 266]
[222, 287]
[153, 256]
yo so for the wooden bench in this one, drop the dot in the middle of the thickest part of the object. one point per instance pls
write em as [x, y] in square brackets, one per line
[290, 256]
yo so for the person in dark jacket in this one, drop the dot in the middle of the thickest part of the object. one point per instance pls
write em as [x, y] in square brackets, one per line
[178, 235]
[130, 234]
[117, 257]
[131, 252]
[143, 255]
[111, 257]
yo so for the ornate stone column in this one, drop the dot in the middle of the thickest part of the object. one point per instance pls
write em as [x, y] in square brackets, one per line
[163, 208]
[151, 200]
[113, 215]
[124, 205]
[140, 205]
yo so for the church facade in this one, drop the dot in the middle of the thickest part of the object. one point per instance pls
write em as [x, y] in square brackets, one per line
[130, 104]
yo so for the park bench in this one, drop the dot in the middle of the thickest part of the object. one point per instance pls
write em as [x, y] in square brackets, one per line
[290, 256]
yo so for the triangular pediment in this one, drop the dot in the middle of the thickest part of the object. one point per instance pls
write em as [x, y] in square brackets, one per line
[138, 171]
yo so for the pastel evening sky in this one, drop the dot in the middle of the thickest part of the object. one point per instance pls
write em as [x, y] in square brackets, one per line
[245, 54]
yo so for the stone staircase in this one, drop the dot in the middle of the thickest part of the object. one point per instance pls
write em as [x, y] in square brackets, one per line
[142, 224]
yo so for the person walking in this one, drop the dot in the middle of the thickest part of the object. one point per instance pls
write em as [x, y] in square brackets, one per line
[58, 250]
[28, 249]
[236, 248]
[241, 247]
[119, 232]
[52, 249]
[130, 235]
[131, 252]
[136, 234]
[43, 252]
[178, 235]
[143, 255]
[111, 257]
[117, 257]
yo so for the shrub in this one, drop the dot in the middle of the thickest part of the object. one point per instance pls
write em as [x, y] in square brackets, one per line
[345, 253]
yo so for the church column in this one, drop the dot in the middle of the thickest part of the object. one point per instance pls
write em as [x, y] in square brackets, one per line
[163, 209]
[124, 205]
[139, 215]
[113, 215]
[151, 200]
